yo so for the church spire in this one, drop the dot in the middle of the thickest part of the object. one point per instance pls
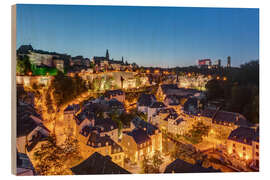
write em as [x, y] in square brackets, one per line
[107, 55]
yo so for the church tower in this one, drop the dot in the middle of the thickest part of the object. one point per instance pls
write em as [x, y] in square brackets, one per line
[107, 55]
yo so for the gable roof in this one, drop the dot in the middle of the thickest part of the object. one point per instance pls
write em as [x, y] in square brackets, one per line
[180, 166]
[25, 123]
[165, 87]
[139, 135]
[221, 117]
[243, 135]
[139, 123]
[146, 99]
[98, 164]
[115, 104]
[157, 105]
[23, 161]
[113, 93]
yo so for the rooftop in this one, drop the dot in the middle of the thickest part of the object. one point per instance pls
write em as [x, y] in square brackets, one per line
[180, 166]
[98, 164]
[243, 135]
[146, 99]
[139, 135]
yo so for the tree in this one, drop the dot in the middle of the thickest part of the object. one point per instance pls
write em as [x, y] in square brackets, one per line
[214, 89]
[23, 65]
[197, 132]
[152, 164]
[49, 159]
[157, 161]
[146, 165]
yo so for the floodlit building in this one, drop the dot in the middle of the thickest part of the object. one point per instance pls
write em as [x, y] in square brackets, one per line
[144, 102]
[98, 164]
[142, 140]
[240, 144]
[116, 94]
[30, 130]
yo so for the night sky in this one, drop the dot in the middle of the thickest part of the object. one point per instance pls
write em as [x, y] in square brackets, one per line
[149, 36]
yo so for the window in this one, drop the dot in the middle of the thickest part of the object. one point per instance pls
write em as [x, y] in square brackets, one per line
[257, 146]
[234, 151]
[244, 148]
[233, 145]
[257, 154]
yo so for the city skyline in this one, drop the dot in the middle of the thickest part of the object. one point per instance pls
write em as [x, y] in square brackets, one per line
[142, 34]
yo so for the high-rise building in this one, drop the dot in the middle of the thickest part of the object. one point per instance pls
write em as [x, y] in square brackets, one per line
[219, 63]
[229, 61]
[204, 62]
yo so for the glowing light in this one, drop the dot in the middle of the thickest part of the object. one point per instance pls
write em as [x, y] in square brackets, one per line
[230, 151]
[218, 77]
[156, 71]
[147, 71]
[240, 155]
[30, 73]
[224, 78]
[189, 74]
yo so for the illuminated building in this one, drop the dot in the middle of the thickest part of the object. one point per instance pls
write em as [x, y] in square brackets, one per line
[204, 63]
[144, 102]
[142, 140]
[31, 130]
[240, 144]
[222, 123]
[98, 164]
[116, 94]
[229, 61]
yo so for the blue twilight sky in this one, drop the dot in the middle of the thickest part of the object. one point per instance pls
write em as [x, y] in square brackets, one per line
[149, 36]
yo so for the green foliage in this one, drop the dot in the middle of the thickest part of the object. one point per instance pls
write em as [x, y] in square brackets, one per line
[43, 71]
[197, 132]
[146, 165]
[157, 161]
[152, 164]
[23, 65]
[52, 160]
[240, 91]
[65, 88]
[214, 89]
[189, 154]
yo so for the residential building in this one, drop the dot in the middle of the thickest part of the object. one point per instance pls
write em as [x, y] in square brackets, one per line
[153, 109]
[222, 123]
[239, 144]
[24, 166]
[181, 166]
[30, 129]
[142, 140]
[256, 151]
[172, 89]
[144, 102]
[98, 164]
[178, 126]
[115, 94]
